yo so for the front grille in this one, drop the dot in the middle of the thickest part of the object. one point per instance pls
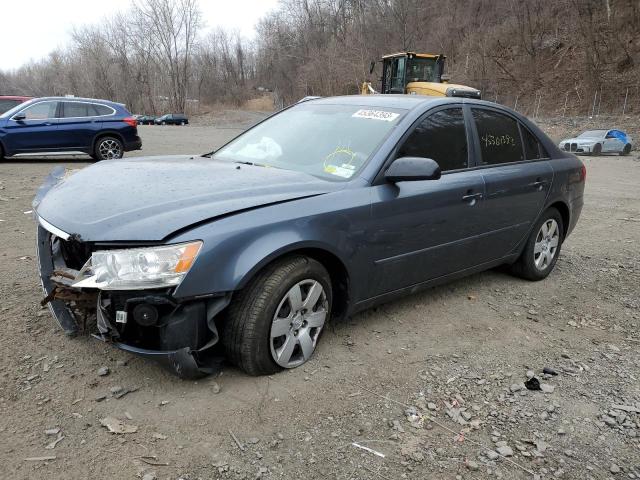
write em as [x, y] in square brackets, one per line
[567, 146]
[574, 147]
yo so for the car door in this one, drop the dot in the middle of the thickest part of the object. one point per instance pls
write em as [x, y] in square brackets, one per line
[517, 176]
[77, 125]
[613, 142]
[426, 229]
[37, 131]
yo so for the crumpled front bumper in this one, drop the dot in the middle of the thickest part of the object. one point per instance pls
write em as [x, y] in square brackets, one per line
[183, 339]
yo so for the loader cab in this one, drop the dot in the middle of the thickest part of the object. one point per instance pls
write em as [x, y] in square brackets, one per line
[400, 69]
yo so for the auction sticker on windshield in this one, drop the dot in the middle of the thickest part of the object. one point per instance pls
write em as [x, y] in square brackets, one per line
[376, 115]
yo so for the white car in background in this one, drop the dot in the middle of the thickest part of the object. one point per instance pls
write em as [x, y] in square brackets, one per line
[596, 142]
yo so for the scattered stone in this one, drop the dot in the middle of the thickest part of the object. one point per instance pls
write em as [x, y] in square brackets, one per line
[549, 371]
[159, 436]
[103, 371]
[52, 431]
[516, 387]
[613, 348]
[253, 440]
[116, 389]
[533, 384]
[505, 451]
[150, 476]
[473, 465]
[546, 388]
[530, 373]
[615, 468]
[492, 455]
[215, 387]
[117, 426]
[101, 397]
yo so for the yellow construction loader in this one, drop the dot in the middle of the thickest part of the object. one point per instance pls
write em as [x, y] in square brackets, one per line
[417, 74]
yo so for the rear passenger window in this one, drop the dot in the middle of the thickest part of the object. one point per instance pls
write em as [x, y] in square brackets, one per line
[102, 109]
[499, 137]
[532, 147]
[75, 110]
[441, 137]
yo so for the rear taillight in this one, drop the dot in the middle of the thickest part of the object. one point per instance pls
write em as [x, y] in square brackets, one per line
[131, 121]
[583, 173]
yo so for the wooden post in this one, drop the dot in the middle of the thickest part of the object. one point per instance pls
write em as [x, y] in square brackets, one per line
[515, 106]
[624, 107]
[564, 110]
[593, 108]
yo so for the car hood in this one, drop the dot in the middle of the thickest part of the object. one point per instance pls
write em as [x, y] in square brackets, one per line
[581, 140]
[147, 199]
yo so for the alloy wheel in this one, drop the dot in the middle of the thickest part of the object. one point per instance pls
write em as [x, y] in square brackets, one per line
[110, 149]
[546, 245]
[297, 323]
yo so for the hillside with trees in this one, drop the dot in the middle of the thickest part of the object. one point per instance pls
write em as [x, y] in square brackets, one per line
[573, 57]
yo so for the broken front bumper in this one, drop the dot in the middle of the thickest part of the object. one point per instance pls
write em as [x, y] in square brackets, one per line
[181, 335]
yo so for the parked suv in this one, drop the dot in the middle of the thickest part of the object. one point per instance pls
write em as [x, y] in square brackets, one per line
[102, 129]
[8, 102]
[172, 119]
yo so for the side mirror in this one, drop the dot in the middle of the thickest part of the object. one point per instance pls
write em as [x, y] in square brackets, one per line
[372, 67]
[407, 169]
[19, 116]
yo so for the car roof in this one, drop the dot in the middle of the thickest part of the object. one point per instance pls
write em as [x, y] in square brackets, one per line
[407, 102]
[14, 97]
[79, 99]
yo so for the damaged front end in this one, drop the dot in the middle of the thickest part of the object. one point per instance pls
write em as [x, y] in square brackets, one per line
[179, 333]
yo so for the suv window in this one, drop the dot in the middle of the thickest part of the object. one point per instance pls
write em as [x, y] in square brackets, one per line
[499, 137]
[102, 109]
[441, 137]
[40, 111]
[76, 109]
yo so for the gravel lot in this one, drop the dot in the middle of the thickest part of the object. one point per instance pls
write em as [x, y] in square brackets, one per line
[433, 382]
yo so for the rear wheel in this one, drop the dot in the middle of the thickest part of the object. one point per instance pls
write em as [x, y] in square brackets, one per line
[108, 148]
[276, 320]
[626, 150]
[541, 251]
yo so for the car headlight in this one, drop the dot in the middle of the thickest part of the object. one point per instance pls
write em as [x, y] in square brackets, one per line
[138, 268]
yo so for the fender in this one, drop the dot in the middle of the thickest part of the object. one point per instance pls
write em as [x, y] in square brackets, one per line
[236, 247]
[104, 133]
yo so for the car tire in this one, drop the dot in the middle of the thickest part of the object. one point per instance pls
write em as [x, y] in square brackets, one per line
[267, 317]
[183, 123]
[108, 148]
[542, 249]
[597, 149]
[625, 151]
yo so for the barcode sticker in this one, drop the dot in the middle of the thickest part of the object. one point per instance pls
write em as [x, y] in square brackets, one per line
[121, 316]
[376, 115]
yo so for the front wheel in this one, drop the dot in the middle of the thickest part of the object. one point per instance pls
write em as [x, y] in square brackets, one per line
[597, 149]
[541, 251]
[626, 150]
[276, 320]
[108, 148]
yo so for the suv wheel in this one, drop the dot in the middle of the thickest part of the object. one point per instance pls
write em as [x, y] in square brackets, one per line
[542, 249]
[276, 320]
[108, 148]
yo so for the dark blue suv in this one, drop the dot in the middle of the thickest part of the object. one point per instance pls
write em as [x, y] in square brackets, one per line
[102, 129]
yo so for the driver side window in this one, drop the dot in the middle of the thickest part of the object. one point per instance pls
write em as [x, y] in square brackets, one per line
[441, 137]
[41, 111]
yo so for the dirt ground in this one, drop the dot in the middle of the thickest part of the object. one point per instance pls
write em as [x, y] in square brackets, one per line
[432, 383]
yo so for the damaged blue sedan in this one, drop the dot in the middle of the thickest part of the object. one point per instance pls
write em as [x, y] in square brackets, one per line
[322, 210]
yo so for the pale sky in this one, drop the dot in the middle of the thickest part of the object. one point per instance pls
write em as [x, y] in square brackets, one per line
[33, 28]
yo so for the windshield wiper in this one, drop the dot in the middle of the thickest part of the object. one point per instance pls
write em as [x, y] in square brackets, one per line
[208, 155]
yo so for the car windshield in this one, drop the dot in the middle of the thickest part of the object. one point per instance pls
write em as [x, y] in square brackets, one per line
[422, 70]
[328, 141]
[593, 134]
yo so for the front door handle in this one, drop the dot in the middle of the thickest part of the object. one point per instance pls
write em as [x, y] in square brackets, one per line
[471, 198]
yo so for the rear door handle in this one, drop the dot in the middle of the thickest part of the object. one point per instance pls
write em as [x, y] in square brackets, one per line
[539, 183]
